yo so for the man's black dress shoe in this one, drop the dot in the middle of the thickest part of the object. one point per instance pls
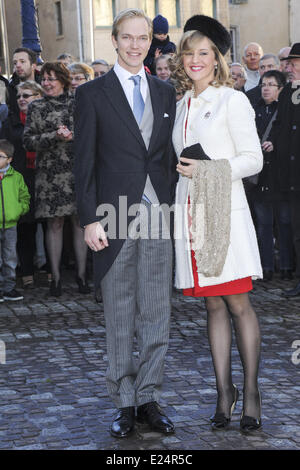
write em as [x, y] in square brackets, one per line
[123, 422]
[152, 414]
[292, 292]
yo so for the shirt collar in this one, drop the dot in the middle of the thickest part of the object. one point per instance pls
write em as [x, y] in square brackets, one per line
[124, 75]
[254, 73]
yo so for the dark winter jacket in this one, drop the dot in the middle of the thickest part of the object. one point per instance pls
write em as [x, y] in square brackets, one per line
[267, 188]
[286, 138]
[165, 47]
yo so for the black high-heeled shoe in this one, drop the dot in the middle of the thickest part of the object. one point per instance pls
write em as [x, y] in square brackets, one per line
[219, 420]
[55, 288]
[248, 423]
[83, 287]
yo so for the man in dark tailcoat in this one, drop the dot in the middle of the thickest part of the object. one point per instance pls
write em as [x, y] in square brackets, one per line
[124, 159]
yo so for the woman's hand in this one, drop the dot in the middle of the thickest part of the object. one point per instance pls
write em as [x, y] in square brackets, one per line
[186, 170]
[64, 133]
[267, 146]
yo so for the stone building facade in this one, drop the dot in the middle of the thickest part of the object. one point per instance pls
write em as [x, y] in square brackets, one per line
[83, 27]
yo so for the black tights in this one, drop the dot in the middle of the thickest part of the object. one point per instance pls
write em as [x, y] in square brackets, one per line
[54, 240]
[220, 312]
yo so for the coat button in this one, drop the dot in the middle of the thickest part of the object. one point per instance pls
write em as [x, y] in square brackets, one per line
[292, 157]
[294, 128]
[292, 188]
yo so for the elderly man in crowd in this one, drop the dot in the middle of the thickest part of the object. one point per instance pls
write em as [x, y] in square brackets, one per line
[253, 52]
[100, 67]
[284, 64]
[239, 75]
[285, 138]
[266, 63]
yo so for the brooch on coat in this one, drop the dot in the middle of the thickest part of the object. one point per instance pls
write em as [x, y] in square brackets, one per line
[207, 115]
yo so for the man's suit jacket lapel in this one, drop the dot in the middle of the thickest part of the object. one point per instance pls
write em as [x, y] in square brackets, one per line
[117, 97]
[157, 106]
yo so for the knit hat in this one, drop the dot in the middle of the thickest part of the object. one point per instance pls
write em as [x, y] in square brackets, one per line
[160, 25]
[211, 28]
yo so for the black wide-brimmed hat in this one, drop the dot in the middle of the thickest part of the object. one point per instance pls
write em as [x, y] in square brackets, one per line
[294, 52]
[211, 28]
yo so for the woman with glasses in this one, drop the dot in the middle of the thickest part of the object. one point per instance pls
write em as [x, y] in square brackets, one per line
[80, 73]
[49, 132]
[271, 206]
[24, 162]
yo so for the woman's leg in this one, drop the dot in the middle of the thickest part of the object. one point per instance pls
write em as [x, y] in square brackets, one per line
[54, 242]
[80, 248]
[248, 341]
[26, 247]
[219, 337]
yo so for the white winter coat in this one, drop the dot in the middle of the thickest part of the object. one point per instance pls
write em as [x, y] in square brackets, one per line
[223, 122]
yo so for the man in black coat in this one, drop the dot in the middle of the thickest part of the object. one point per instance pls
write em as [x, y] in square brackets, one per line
[286, 140]
[124, 161]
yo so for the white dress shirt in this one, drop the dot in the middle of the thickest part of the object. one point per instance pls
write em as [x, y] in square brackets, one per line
[253, 77]
[128, 85]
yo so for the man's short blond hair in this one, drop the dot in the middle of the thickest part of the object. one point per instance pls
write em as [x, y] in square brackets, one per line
[127, 14]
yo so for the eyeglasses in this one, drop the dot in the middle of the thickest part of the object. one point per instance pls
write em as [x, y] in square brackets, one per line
[268, 85]
[3, 156]
[49, 80]
[99, 74]
[78, 79]
[25, 95]
[237, 75]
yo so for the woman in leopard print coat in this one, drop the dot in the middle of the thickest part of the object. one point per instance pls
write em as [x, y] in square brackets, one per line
[49, 133]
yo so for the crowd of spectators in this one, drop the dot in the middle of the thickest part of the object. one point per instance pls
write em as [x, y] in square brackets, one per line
[36, 131]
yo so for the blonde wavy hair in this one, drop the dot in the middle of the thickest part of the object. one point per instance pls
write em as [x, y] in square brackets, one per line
[186, 44]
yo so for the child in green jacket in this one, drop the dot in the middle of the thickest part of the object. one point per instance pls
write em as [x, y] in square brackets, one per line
[14, 202]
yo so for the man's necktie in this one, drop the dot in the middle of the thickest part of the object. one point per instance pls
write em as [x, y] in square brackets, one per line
[138, 107]
[138, 102]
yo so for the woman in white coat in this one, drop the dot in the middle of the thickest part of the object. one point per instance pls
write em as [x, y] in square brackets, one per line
[219, 264]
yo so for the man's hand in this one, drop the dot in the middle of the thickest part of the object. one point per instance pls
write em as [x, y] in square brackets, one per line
[267, 146]
[94, 236]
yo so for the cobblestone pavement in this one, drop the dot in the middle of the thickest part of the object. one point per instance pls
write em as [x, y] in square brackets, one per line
[52, 385]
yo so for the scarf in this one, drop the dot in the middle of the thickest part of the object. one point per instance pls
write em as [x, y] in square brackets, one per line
[210, 211]
[30, 156]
